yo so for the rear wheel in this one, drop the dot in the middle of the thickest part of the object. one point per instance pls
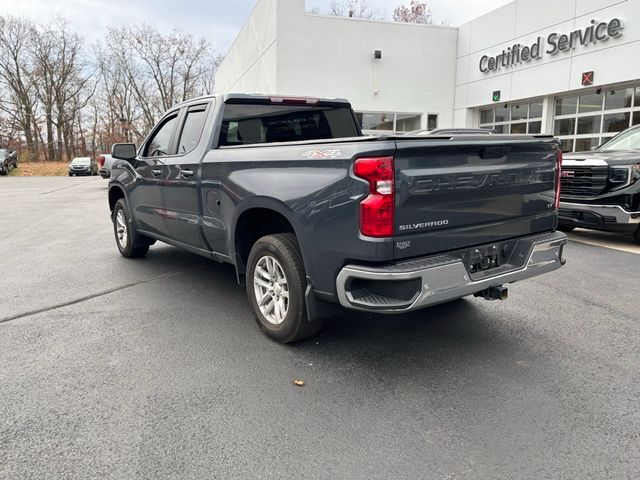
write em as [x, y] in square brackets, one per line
[126, 236]
[276, 284]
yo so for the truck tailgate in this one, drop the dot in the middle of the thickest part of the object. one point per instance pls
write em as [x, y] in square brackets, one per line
[458, 192]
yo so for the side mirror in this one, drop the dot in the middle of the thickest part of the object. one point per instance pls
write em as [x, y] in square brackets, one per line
[124, 151]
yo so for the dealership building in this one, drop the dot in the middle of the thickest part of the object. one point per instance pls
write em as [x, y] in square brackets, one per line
[567, 68]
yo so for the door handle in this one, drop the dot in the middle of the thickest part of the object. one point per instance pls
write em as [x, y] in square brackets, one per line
[156, 172]
[186, 173]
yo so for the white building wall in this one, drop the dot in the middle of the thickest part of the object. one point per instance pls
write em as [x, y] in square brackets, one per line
[334, 57]
[251, 62]
[427, 69]
[522, 21]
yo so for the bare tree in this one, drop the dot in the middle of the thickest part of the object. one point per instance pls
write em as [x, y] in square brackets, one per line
[59, 99]
[16, 75]
[72, 82]
[356, 9]
[416, 12]
[162, 70]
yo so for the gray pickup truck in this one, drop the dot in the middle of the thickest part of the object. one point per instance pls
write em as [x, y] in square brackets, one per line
[312, 214]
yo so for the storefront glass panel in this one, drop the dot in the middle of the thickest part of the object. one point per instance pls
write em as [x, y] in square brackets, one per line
[618, 98]
[565, 126]
[535, 127]
[586, 144]
[519, 112]
[616, 122]
[518, 128]
[589, 125]
[591, 102]
[566, 105]
[598, 114]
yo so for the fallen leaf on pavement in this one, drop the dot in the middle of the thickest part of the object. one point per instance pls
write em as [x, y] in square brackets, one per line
[299, 383]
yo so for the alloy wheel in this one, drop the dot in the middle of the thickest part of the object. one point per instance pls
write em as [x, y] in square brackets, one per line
[271, 289]
[121, 229]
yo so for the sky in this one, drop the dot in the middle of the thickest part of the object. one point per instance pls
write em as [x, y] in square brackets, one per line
[218, 21]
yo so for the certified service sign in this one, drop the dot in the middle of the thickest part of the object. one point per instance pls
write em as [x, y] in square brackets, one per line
[554, 43]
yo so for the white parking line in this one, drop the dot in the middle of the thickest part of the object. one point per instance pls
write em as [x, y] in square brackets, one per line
[614, 241]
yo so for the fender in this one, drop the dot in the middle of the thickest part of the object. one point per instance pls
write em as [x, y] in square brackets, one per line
[122, 177]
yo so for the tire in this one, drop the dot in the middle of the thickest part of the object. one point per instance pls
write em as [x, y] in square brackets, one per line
[566, 228]
[636, 235]
[285, 319]
[127, 240]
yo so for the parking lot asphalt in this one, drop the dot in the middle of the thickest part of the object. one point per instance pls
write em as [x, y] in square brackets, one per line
[155, 368]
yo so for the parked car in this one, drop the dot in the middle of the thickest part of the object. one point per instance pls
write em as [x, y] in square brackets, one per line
[601, 188]
[83, 166]
[8, 160]
[452, 131]
[104, 163]
[312, 214]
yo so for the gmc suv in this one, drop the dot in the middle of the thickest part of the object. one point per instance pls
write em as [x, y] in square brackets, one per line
[601, 188]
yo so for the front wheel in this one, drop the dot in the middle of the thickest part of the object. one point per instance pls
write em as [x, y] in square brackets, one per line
[636, 234]
[125, 232]
[276, 284]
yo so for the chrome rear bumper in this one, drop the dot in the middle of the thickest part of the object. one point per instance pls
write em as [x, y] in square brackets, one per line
[440, 278]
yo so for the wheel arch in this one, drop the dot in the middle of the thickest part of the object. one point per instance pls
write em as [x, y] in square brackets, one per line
[116, 192]
[255, 219]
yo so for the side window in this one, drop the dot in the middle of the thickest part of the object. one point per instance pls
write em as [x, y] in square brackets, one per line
[159, 144]
[192, 129]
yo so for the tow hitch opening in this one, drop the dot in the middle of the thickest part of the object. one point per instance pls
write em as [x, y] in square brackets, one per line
[494, 293]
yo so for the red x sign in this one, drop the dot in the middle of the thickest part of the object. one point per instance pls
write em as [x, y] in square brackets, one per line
[587, 78]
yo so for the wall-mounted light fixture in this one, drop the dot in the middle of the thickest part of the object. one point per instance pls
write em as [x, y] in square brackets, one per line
[377, 54]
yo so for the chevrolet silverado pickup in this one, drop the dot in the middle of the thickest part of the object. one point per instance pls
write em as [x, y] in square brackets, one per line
[314, 215]
[601, 188]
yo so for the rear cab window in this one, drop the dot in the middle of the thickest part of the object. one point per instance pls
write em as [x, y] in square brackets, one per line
[257, 121]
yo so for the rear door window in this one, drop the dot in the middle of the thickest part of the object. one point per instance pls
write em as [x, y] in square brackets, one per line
[192, 129]
[244, 124]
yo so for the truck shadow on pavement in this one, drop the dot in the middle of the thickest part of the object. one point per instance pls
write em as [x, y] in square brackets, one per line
[460, 332]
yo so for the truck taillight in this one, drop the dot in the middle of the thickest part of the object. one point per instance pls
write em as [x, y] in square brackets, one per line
[101, 161]
[376, 211]
[558, 177]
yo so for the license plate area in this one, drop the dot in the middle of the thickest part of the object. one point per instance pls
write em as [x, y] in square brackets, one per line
[481, 260]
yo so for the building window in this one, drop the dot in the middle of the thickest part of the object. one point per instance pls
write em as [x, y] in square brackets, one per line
[586, 120]
[407, 122]
[389, 122]
[432, 121]
[516, 118]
